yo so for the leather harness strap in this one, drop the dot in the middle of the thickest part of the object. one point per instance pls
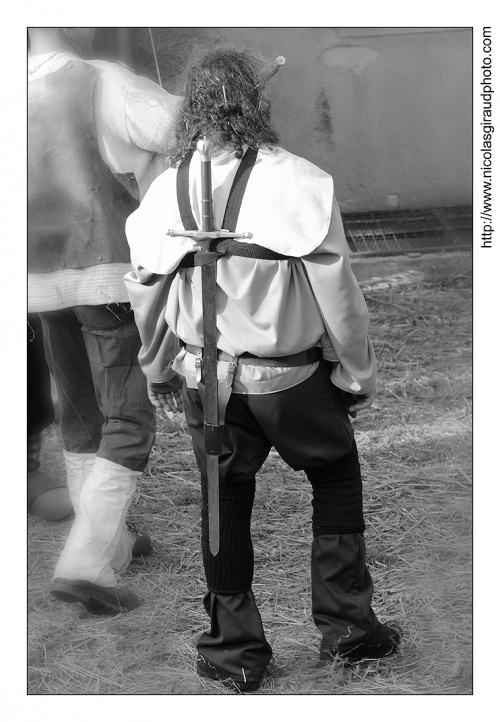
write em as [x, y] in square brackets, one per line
[237, 191]
[216, 248]
[230, 248]
[220, 247]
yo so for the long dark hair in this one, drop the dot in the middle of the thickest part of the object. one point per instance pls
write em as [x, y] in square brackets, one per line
[224, 100]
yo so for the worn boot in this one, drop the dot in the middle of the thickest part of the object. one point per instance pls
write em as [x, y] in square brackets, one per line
[48, 498]
[235, 650]
[107, 601]
[342, 591]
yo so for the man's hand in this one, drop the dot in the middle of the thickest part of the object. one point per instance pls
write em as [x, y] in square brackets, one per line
[363, 401]
[166, 398]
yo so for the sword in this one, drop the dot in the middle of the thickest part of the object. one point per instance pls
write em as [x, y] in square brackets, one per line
[213, 430]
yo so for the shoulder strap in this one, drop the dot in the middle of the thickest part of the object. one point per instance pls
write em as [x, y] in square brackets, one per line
[235, 194]
[237, 191]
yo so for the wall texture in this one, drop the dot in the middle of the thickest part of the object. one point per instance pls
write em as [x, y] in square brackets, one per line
[386, 111]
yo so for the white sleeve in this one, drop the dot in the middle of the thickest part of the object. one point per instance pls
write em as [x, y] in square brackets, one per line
[343, 309]
[135, 121]
[150, 115]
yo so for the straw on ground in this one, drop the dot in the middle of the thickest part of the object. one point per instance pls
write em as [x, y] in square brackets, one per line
[415, 449]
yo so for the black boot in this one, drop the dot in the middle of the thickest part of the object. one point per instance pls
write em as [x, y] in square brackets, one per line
[235, 651]
[384, 641]
[342, 591]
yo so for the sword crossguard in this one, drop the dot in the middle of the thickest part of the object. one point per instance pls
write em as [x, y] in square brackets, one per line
[207, 235]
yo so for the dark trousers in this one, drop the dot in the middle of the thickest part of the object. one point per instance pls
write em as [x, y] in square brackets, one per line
[40, 409]
[92, 352]
[40, 406]
[309, 427]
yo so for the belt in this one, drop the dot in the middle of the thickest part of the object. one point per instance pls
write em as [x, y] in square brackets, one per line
[303, 358]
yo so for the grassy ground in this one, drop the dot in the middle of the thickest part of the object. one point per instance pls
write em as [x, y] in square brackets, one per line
[415, 447]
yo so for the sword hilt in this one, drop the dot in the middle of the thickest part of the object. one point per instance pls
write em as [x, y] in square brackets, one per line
[271, 69]
[205, 147]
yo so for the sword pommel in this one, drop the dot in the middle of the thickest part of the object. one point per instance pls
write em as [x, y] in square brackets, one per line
[205, 147]
[271, 69]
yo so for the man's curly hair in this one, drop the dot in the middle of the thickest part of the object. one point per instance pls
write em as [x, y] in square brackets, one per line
[223, 100]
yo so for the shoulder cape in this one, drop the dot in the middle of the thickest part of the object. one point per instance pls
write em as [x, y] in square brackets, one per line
[287, 207]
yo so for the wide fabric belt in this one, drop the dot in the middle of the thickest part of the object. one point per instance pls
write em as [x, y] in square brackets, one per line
[303, 358]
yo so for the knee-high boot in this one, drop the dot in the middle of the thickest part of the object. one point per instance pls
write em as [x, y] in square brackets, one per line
[235, 649]
[342, 587]
[342, 591]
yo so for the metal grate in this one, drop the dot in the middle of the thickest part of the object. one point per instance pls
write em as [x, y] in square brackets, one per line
[379, 233]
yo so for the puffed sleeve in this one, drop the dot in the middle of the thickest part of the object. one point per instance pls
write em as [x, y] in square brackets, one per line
[148, 293]
[151, 114]
[343, 309]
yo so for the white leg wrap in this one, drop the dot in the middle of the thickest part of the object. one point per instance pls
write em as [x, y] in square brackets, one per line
[99, 544]
[78, 468]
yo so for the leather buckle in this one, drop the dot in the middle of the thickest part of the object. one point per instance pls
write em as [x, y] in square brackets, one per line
[231, 370]
[198, 363]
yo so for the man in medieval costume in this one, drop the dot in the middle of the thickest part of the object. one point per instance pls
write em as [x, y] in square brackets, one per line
[97, 136]
[293, 357]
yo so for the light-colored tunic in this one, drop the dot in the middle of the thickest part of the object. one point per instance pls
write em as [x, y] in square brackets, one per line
[267, 308]
[134, 121]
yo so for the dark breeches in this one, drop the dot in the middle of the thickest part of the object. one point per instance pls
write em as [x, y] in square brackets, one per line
[309, 427]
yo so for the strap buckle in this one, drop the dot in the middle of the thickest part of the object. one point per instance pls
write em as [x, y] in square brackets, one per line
[231, 370]
[198, 363]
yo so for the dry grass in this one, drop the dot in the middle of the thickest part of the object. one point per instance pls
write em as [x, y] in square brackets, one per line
[416, 451]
